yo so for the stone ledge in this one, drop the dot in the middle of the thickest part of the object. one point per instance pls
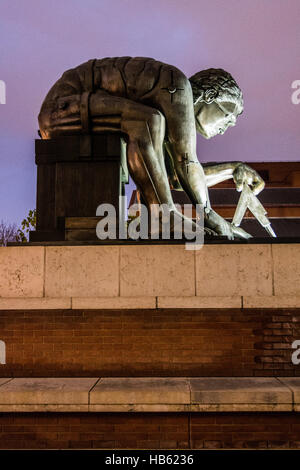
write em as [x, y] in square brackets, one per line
[45, 392]
[199, 302]
[144, 390]
[121, 303]
[44, 407]
[128, 303]
[35, 303]
[275, 301]
[150, 394]
[240, 394]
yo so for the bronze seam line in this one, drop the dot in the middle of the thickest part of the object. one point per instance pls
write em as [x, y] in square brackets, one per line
[84, 102]
[84, 112]
[89, 76]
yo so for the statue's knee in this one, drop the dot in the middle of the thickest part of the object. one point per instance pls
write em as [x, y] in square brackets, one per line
[146, 132]
[156, 121]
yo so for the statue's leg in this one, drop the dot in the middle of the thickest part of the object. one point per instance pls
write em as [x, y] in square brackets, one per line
[145, 129]
[143, 126]
[146, 159]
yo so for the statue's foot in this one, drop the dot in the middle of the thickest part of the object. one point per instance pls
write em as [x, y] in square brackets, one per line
[210, 232]
[224, 228]
[240, 233]
[176, 226]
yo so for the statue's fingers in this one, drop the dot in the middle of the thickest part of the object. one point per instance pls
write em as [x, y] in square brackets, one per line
[239, 182]
[258, 186]
[239, 178]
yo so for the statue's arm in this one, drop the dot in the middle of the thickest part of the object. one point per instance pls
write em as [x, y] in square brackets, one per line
[60, 111]
[178, 110]
[216, 173]
[240, 172]
[181, 146]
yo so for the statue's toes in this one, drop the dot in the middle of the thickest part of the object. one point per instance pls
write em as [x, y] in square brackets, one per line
[208, 232]
[241, 233]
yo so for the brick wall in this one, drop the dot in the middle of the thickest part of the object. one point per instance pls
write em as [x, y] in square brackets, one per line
[149, 342]
[152, 430]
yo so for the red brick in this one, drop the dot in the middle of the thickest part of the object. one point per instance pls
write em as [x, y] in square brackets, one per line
[187, 342]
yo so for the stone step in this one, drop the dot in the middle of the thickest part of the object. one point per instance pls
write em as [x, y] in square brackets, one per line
[150, 394]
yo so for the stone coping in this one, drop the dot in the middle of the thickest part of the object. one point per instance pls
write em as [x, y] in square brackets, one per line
[150, 394]
[132, 303]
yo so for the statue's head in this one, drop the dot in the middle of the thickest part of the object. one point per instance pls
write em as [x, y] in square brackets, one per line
[218, 101]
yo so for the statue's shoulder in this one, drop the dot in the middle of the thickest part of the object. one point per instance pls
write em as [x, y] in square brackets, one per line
[133, 62]
[121, 62]
[157, 63]
[140, 73]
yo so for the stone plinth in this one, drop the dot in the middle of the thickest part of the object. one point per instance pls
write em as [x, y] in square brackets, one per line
[150, 310]
[150, 276]
[149, 346]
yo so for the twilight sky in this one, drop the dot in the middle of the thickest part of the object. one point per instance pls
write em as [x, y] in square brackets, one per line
[257, 41]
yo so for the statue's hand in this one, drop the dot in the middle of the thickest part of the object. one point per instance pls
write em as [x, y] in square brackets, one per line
[67, 106]
[244, 174]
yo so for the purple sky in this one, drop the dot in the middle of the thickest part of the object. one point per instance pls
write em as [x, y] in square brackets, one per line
[257, 41]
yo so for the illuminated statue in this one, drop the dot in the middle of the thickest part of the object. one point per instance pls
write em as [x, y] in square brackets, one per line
[158, 110]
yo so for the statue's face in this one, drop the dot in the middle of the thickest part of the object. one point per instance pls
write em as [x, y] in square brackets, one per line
[215, 118]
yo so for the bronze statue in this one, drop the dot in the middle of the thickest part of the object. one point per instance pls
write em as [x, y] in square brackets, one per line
[159, 110]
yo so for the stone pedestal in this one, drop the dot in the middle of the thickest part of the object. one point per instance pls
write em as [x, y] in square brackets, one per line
[149, 346]
[75, 175]
[158, 310]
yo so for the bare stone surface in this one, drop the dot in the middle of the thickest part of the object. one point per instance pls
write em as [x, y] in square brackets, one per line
[113, 302]
[4, 380]
[240, 407]
[199, 302]
[249, 390]
[43, 407]
[44, 391]
[142, 390]
[234, 270]
[217, 276]
[149, 394]
[82, 271]
[286, 259]
[21, 271]
[35, 303]
[140, 408]
[293, 383]
[154, 270]
[275, 301]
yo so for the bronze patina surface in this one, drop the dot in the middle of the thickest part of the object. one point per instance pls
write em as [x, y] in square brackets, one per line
[159, 111]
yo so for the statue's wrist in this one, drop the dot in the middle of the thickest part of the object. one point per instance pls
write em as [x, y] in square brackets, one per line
[238, 164]
[235, 165]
